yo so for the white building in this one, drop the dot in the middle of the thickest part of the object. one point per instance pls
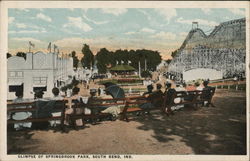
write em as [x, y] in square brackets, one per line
[38, 71]
[85, 74]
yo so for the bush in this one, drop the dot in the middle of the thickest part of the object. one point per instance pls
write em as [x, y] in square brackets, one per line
[129, 81]
[146, 74]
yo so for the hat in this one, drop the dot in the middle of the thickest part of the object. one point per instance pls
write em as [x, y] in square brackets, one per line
[150, 86]
[168, 84]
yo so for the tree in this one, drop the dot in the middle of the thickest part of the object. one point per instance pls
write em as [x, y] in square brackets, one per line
[146, 74]
[168, 61]
[88, 59]
[174, 53]
[104, 58]
[75, 59]
[9, 55]
[21, 54]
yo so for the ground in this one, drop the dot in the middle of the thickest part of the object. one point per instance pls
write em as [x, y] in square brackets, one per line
[214, 130]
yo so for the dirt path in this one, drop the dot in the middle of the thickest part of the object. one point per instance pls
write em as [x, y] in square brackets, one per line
[219, 130]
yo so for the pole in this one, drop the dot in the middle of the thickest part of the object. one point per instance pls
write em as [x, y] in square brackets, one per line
[139, 69]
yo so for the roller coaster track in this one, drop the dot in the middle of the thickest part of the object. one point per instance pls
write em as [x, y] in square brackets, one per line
[213, 33]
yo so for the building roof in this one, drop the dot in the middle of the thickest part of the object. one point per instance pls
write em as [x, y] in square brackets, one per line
[122, 68]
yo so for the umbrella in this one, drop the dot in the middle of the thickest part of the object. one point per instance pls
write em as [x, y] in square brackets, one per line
[114, 90]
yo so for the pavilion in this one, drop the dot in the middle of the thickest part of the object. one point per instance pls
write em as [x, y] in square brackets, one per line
[122, 69]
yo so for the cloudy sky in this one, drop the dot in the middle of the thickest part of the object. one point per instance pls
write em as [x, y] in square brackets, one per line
[161, 29]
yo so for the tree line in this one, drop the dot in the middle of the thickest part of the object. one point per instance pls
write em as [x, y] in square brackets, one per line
[105, 59]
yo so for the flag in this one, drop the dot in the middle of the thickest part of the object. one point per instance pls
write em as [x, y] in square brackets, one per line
[32, 45]
[49, 46]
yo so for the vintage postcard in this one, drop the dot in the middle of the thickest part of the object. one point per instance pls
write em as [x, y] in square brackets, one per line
[124, 80]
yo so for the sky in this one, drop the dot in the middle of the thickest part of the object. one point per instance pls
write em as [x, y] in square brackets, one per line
[158, 29]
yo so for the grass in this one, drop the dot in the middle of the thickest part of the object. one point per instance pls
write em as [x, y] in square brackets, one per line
[116, 81]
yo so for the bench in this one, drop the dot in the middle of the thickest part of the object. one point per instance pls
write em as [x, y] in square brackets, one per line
[107, 102]
[59, 106]
[193, 98]
[133, 105]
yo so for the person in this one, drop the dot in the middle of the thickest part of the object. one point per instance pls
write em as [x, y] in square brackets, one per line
[93, 99]
[179, 88]
[43, 110]
[149, 90]
[168, 94]
[21, 115]
[148, 96]
[39, 96]
[73, 100]
[157, 96]
[99, 91]
[56, 92]
[198, 86]
[56, 97]
[206, 94]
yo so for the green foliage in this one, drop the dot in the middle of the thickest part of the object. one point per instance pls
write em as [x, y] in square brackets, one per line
[121, 81]
[174, 53]
[75, 59]
[88, 59]
[146, 74]
[21, 54]
[9, 55]
[105, 57]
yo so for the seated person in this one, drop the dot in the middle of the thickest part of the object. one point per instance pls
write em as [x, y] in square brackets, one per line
[206, 94]
[168, 96]
[198, 86]
[179, 88]
[149, 97]
[56, 92]
[157, 96]
[20, 115]
[56, 97]
[93, 99]
[44, 109]
[73, 100]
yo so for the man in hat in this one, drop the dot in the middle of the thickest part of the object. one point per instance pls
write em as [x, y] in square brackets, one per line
[168, 94]
[39, 95]
[206, 94]
[157, 96]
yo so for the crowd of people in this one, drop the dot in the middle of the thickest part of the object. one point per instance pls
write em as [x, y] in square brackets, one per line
[45, 106]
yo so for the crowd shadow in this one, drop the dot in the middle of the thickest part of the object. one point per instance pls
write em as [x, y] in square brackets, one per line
[219, 130]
